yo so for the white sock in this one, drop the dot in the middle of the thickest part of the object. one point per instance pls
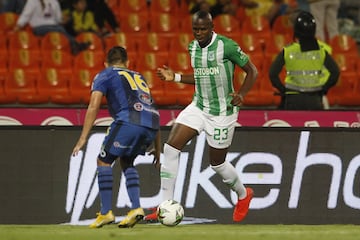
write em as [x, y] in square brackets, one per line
[230, 177]
[168, 172]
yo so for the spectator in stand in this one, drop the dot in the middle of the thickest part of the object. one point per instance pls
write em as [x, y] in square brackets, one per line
[15, 6]
[104, 16]
[45, 16]
[325, 14]
[81, 19]
[279, 7]
[310, 69]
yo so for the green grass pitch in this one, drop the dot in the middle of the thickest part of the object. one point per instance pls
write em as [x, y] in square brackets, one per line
[196, 231]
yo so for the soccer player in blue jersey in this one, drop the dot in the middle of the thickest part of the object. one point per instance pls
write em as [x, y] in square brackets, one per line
[214, 108]
[134, 129]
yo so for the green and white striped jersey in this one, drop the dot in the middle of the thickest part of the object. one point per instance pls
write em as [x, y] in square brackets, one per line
[213, 72]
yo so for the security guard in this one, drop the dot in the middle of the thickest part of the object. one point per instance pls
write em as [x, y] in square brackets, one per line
[310, 69]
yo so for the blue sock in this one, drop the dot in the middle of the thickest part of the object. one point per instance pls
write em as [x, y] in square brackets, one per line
[133, 186]
[105, 181]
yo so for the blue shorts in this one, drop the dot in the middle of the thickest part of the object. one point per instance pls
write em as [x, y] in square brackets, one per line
[125, 140]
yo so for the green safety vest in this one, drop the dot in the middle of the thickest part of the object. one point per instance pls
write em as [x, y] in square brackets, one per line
[305, 71]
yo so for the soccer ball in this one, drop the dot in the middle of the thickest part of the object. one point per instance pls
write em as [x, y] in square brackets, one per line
[170, 213]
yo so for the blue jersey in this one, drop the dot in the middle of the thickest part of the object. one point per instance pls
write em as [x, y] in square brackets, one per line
[128, 96]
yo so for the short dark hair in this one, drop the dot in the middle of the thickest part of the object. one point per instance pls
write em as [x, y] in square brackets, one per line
[202, 15]
[116, 54]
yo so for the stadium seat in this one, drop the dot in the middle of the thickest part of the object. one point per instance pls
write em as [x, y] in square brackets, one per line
[131, 6]
[183, 93]
[179, 61]
[257, 25]
[181, 42]
[97, 43]
[345, 62]
[276, 43]
[80, 84]
[259, 95]
[24, 58]
[22, 83]
[227, 25]
[90, 60]
[57, 59]
[136, 23]
[7, 21]
[54, 83]
[165, 24]
[344, 43]
[4, 55]
[113, 4]
[250, 44]
[55, 40]
[283, 25]
[23, 40]
[151, 60]
[120, 39]
[345, 92]
[4, 97]
[154, 42]
[185, 25]
[164, 6]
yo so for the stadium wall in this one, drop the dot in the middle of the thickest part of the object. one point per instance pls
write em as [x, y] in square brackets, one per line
[299, 175]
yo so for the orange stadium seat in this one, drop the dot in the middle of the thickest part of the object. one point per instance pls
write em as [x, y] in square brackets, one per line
[257, 25]
[250, 44]
[259, 95]
[24, 58]
[129, 6]
[227, 25]
[185, 25]
[4, 97]
[54, 83]
[57, 59]
[165, 24]
[346, 63]
[8, 21]
[181, 42]
[179, 61]
[344, 92]
[134, 23]
[23, 40]
[154, 42]
[120, 39]
[22, 82]
[183, 93]
[97, 43]
[55, 40]
[4, 55]
[164, 6]
[90, 60]
[276, 43]
[80, 84]
[283, 25]
[344, 43]
[151, 60]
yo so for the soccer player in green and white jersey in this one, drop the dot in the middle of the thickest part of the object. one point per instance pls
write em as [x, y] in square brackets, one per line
[214, 108]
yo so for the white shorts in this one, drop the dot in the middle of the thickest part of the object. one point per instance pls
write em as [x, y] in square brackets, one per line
[219, 129]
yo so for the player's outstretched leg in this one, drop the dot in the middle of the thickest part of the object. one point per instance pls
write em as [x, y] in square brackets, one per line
[132, 218]
[102, 220]
[242, 206]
